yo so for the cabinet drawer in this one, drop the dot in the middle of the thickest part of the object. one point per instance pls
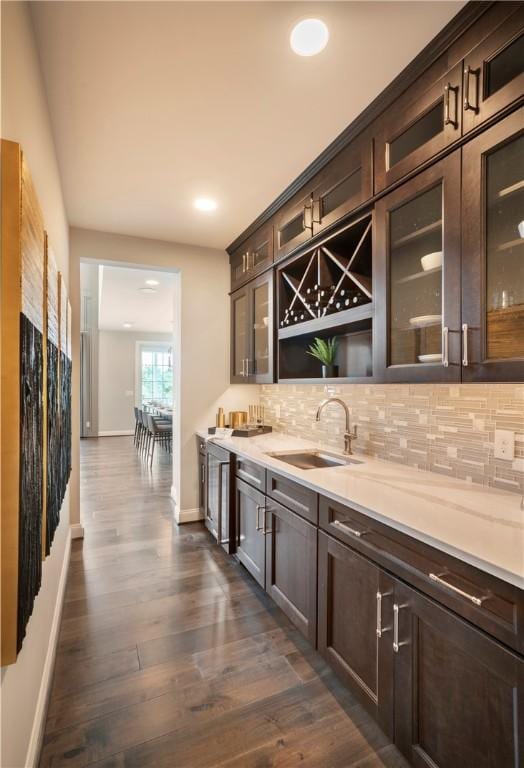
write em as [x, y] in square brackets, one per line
[250, 472]
[490, 603]
[292, 495]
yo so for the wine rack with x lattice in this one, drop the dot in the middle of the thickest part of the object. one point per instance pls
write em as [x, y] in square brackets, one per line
[334, 277]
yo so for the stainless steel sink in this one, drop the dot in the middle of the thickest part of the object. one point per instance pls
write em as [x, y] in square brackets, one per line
[312, 459]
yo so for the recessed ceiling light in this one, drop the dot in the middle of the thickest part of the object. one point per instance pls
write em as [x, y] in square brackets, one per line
[148, 290]
[309, 37]
[127, 325]
[152, 282]
[205, 204]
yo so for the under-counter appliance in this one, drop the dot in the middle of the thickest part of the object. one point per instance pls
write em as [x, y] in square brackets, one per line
[218, 518]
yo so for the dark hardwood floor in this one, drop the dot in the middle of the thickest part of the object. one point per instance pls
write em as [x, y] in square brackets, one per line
[170, 654]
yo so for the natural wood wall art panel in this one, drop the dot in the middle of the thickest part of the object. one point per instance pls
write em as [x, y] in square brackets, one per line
[35, 398]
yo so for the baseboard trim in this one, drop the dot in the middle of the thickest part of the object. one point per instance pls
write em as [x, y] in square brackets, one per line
[37, 731]
[77, 531]
[115, 432]
[188, 515]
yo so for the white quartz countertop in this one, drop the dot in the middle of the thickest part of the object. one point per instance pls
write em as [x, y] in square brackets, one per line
[481, 526]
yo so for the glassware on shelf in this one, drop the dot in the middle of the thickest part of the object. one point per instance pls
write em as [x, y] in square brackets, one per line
[416, 260]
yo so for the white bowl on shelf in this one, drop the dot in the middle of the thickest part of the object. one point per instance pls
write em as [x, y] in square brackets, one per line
[423, 320]
[430, 358]
[431, 261]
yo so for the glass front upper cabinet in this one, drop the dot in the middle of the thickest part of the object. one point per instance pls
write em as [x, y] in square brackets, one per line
[261, 363]
[239, 334]
[418, 244]
[493, 75]
[493, 253]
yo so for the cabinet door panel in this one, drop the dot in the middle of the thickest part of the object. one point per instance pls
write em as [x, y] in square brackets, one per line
[457, 692]
[493, 253]
[260, 366]
[355, 600]
[250, 549]
[293, 225]
[421, 123]
[494, 71]
[418, 276]
[291, 567]
[240, 313]
[344, 184]
[239, 266]
[202, 461]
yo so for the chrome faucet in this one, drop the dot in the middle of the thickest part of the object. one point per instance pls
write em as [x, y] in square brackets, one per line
[348, 435]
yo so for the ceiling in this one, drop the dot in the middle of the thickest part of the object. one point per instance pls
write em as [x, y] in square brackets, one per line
[155, 103]
[121, 301]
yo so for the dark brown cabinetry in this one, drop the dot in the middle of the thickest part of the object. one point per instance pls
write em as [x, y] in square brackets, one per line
[355, 619]
[493, 253]
[291, 567]
[423, 121]
[458, 694]
[418, 291]
[493, 76]
[254, 255]
[250, 543]
[345, 183]
[252, 332]
[217, 490]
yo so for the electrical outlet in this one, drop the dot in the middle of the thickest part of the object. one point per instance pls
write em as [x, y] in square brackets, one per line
[504, 444]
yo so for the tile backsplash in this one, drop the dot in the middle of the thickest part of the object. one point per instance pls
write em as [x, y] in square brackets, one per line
[442, 428]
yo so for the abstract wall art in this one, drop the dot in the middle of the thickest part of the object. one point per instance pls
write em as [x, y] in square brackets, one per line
[35, 361]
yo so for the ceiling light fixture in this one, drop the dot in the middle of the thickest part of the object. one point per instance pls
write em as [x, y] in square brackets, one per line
[152, 282]
[127, 325]
[309, 37]
[148, 290]
[205, 204]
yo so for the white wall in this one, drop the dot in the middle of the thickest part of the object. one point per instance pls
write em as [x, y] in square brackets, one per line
[117, 377]
[25, 119]
[204, 320]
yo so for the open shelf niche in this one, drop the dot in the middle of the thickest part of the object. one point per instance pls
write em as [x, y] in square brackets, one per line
[327, 291]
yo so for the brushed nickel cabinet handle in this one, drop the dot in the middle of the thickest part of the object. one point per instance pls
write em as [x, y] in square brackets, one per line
[445, 346]
[466, 83]
[346, 527]
[447, 119]
[438, 578]
[259, 527]
[465, 355]
[379, 614]
[396, 643]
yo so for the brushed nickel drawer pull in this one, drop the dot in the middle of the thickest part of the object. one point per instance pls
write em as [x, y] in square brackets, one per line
[437, 577]
[349, 529]
[447, 117]
[467, 77]
[445, 345]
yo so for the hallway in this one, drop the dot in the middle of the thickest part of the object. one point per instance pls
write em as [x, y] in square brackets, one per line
[169, 653]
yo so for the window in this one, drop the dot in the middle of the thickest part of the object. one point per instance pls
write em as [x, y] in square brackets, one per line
[155, 375]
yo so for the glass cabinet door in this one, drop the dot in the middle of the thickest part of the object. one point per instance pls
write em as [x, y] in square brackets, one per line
[494, 70]
[261, 365]
[418, 246]
[493, 253]
[239, 335]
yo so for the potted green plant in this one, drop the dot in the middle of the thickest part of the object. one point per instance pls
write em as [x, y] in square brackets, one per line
[325, 350]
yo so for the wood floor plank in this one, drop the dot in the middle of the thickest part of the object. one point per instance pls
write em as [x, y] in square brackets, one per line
[171, 656]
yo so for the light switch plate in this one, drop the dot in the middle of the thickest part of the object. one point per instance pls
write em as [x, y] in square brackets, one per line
[504, 444]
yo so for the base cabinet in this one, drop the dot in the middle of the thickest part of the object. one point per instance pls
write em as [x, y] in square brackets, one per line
[355, 617]
[458, 703]
[291, 573]
[250, 546]
[445, 693]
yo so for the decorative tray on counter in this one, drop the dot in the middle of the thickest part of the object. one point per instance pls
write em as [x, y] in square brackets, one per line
[245, 431]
